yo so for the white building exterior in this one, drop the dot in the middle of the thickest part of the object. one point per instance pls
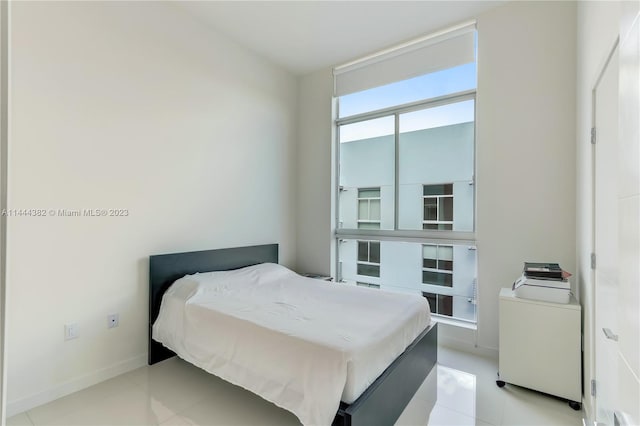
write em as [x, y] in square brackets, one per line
[436, 156]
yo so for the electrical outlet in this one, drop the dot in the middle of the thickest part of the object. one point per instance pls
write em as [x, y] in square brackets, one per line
[112, 320]
[71, 331]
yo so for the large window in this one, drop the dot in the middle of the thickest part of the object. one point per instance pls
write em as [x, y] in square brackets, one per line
[406, 172]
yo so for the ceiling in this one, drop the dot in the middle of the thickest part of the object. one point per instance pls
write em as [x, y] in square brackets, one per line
[305, 36]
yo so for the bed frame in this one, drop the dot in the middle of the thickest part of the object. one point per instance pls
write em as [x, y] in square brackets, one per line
[382, 402]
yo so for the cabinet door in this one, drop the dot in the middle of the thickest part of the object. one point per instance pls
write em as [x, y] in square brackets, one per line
[540, 347]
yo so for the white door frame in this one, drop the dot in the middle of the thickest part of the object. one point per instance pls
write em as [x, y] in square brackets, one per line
[594, 331]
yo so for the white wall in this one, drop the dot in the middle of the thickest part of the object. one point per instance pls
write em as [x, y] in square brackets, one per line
[525, 146]
[314, 243]
[133, 106]
[525, 152]
[3, 197]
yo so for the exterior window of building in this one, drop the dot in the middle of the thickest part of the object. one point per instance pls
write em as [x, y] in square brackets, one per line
[437, 265]
[439, 304]
[369, 208]
[369, 258]
[407, 130]
[361, 284]
[438, 206]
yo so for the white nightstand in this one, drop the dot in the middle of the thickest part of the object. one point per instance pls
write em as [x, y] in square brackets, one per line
[540, 345]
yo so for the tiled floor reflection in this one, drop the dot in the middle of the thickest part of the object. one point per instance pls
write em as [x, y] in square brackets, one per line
[466, 394]
[460, 391]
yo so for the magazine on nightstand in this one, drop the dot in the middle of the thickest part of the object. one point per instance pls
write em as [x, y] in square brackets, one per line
[545, 282]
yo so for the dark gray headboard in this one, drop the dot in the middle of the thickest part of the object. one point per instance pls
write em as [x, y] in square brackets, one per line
[164, 269]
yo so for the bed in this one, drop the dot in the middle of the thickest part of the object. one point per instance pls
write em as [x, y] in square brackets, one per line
[380, 403]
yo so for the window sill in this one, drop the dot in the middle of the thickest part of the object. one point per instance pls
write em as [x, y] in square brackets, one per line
[318, 276]
[454, 322]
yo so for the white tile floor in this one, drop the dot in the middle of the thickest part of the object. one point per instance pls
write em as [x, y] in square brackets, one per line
[461, 391]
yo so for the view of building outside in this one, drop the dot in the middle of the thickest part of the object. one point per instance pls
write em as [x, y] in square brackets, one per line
[436, 192]
[406, 174]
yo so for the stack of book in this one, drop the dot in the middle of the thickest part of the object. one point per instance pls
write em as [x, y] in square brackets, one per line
[543, 281]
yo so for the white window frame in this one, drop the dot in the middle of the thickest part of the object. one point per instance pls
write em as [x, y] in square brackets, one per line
[418, 235]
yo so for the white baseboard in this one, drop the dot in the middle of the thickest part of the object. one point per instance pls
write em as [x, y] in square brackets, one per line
[20, 405]
[465, 346]
[463, 339]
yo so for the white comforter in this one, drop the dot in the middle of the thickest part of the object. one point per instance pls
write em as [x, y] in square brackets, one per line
[300, 343]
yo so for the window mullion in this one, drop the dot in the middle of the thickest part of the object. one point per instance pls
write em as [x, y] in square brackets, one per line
[396, 184]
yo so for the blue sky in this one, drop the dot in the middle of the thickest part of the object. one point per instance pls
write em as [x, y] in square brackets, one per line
[427, 86]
